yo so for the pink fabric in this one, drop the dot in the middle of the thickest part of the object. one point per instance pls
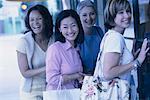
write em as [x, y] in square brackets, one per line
[61, 59]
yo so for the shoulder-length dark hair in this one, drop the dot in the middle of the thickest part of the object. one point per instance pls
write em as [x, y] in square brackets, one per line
[111, 10]
[47, 19]
[64, 14]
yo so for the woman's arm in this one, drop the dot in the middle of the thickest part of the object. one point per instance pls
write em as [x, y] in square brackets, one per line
[111, 63]
[24, 67]
[112, 68]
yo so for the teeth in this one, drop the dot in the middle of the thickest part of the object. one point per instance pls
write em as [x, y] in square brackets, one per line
[36, 27]
[72, 34]
[126, 21]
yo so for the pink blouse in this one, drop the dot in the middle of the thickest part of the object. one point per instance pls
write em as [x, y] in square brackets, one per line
[61, 59]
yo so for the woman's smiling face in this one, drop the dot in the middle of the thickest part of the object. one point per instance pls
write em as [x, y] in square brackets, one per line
[88, 16]
[36, 22]
[69, 28]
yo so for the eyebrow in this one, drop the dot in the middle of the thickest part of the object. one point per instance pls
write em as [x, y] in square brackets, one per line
[74, 22]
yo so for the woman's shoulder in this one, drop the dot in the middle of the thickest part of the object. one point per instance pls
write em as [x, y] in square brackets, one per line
[97, 28]
[55, 45]
[113, 34]
[114, 38]
[26, 36]
[54, 48]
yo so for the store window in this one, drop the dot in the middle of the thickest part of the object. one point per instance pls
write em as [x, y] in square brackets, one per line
[12, 20]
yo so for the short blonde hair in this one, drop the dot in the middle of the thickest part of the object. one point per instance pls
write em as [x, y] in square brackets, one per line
[85, 3]
[112, 8]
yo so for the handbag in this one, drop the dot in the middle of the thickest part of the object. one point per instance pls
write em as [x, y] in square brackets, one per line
[89, 89]
[115, 89]
[59, 94]
[97, 88]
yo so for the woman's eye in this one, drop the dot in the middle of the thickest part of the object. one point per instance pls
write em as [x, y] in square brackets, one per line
[93, 13]
[64, 27]
[128, 11]
[84, 15]
[74, 25]
[40, 18]
[31, 19]
[120, 12]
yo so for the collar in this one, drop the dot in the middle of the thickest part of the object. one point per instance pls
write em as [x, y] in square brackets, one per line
[67, 45]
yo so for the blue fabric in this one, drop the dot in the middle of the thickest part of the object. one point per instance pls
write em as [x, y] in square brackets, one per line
[89, 49]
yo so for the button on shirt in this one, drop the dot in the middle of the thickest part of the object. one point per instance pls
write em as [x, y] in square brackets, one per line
[61, 59]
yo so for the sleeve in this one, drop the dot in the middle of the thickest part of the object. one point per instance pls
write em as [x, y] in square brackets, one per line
[53, 66]
[114, 43]
[21, 45]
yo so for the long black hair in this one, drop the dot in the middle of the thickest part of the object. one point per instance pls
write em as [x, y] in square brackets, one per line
[64, 14]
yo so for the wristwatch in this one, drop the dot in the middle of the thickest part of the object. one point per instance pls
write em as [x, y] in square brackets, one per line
[135, 65]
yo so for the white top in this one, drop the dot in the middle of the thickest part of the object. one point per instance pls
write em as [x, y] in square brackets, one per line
[38, 60]
[115, 42]
[35, 58]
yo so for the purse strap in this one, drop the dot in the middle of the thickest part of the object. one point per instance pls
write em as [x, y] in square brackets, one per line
[99, 70]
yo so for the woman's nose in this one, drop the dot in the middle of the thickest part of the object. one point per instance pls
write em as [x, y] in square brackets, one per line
[36, 21]
[69, 29]
[89, 17]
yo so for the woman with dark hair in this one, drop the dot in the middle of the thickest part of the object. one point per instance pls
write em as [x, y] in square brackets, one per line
[47, 20]
[31, 52]
[62, 60]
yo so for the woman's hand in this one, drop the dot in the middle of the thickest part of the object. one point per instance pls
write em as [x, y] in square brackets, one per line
[70, 77]
[135, 54]
[144, 49]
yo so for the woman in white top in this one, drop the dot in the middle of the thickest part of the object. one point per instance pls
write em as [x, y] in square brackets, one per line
[31, 52]
[116, 59]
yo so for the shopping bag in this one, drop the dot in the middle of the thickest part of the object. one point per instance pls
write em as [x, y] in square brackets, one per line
[62, 94]
[66, 94]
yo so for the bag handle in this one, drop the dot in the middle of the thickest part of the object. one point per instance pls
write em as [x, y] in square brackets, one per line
[99, 70]
[59, 83]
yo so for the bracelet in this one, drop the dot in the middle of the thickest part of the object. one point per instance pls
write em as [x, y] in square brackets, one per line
[136, 63]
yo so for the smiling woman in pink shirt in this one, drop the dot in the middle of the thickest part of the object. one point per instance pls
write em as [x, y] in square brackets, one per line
[63, 60]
